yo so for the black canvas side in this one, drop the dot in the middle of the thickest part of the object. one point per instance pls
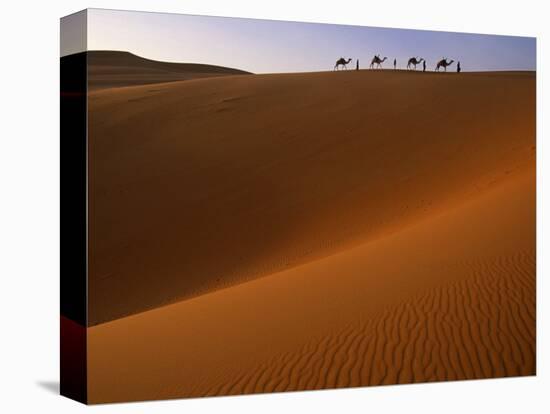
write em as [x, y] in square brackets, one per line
[73, 294]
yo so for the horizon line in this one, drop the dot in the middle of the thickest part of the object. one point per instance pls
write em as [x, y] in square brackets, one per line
[298, 71]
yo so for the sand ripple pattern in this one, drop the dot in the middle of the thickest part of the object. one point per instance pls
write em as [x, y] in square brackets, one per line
[480, 327]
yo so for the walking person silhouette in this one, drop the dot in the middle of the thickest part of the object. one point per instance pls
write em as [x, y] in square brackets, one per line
[357, 65]
[458, 68]
[394, 64]
[423, 66]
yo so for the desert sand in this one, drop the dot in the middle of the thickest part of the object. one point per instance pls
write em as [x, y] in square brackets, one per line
[260, 233]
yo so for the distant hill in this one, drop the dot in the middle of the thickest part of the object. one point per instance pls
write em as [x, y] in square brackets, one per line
[108, 69]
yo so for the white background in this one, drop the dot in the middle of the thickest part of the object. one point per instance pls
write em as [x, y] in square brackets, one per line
[29, 206]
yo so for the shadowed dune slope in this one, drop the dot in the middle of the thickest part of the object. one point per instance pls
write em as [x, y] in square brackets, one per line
[108, 69]
[449, 297]
[205, 184]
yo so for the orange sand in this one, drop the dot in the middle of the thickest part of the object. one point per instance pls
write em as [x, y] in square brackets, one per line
[310, 231]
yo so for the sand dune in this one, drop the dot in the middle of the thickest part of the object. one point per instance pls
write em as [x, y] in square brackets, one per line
[306, 231]
[211, 183]
[108, 69]
[449, 297]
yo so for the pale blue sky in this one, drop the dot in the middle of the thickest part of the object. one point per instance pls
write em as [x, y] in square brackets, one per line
[266, 46]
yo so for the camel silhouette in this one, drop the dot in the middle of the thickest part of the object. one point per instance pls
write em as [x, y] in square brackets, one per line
[414, 61]
[377, 61]
[342, 62]
[443, 64]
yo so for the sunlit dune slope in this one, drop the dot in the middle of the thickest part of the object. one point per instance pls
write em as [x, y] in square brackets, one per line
[204, 184]
[449, 297]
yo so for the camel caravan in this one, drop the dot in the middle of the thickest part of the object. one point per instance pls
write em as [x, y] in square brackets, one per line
[377, 61]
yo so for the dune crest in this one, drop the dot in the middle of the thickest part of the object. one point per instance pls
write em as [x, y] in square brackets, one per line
[112, 69]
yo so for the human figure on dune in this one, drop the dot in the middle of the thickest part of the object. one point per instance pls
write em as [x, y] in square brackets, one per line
[357, 65]
[423, 66]
[394, 64]
[458, 68]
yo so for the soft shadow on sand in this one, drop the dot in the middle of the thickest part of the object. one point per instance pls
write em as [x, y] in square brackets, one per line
[50, 386]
